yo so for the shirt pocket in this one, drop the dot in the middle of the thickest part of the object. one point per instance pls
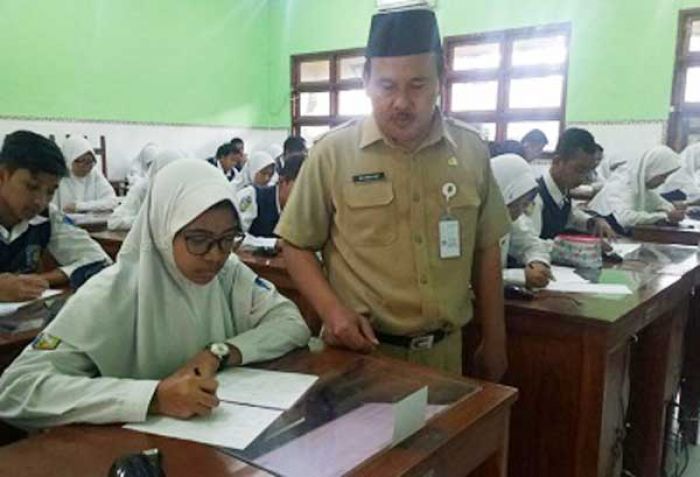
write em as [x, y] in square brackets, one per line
[465, 206]
[370, 213]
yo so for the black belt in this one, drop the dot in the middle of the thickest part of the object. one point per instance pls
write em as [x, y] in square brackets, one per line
[424, 341]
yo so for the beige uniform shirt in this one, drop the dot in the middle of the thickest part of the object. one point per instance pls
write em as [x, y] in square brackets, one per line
[374, 211]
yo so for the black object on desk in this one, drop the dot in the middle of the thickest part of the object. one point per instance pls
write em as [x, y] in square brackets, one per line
[143, 464]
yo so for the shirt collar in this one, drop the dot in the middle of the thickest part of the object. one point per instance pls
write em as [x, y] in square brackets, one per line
[9, 236]
[553, 189]
[371, 133]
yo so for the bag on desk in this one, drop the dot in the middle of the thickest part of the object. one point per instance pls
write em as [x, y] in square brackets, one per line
[580, 251]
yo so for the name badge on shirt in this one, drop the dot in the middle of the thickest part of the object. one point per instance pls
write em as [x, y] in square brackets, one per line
[450, 237]
[371, 177]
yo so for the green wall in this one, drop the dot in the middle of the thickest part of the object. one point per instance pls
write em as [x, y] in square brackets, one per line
[226, 62]
[181, 61]
[621, 59]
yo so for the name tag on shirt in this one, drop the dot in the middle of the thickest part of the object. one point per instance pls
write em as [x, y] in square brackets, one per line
[450, 238]
[371, 177]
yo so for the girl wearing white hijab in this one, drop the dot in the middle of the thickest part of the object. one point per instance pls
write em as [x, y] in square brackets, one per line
[629, 198]
[516, 180]
[85, 189]
[147, 335]
[124, 216]
[682, 185]
[141, 164]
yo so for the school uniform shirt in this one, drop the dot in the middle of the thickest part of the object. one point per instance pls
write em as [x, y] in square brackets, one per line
[515, 178]
[90, 193]
[141, 164]
[374, 210]
[553, 213]
[22, 246]
[141, 320]
[682, 185]
[259, 209]
[626, 198]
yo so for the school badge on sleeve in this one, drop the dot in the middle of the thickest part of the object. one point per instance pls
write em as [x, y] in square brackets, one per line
[245, 203]
[46, 342]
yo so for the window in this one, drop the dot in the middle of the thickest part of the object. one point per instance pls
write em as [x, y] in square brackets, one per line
[327, 90]
[507, 83]
[684, 123]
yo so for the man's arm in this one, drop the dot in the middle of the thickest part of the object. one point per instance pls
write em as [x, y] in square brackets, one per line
[490, 359]
[342, 326]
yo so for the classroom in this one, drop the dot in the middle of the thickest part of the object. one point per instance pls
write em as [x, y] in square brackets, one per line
[350, 237]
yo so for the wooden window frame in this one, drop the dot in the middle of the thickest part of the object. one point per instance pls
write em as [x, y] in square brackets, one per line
[504, 74]
[681, 111]
[333, 86]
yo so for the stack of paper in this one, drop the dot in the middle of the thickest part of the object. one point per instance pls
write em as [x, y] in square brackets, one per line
[250, 401]
[566, 280]
[624, 249]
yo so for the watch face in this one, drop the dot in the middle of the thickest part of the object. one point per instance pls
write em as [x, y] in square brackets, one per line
[219, 349]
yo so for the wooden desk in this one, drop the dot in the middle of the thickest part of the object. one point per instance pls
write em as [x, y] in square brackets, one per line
[469, 437]
[682, 261]
[686, 234]
[569, 355]
[110, 240]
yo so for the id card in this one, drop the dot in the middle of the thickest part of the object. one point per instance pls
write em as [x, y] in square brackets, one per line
[450, 238]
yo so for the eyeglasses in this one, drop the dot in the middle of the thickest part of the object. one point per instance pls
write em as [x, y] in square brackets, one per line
[200, 245]
[85, 161]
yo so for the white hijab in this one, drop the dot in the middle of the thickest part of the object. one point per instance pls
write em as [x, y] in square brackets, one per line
[631, 179]
[142, 163]
[141, 318]
[685, 179]
[257, 161]
[94, 187]
[513, 175]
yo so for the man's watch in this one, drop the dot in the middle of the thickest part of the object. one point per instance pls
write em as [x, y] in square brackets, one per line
[221, 351]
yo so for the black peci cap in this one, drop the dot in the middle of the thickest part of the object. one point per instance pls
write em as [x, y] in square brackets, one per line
[403, 33]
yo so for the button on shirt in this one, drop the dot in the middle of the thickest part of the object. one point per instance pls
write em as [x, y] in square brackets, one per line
[374, 211]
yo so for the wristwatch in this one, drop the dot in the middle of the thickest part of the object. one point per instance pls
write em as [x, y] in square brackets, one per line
[221, 351]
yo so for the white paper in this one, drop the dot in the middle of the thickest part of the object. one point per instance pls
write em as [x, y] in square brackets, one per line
[327, 450]
[229, 425]
[11, 307]
[590, 288]
[624, 249]
[409, 415]
[516, 276]
[80, 218]
[260, 387]
[250, 241]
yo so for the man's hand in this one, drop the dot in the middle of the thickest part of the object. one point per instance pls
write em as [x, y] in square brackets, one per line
[537, 275]
[345, 328]
[21, 287]
[601, 228]
[70, 208]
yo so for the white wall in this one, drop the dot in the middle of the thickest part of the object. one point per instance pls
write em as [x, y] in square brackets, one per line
[628, 139]
[125, 140]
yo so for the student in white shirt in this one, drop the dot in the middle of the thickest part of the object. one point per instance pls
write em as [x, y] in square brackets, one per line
[31, 167]
[260, 207]
[630, 198]
[518, 186]
[85, 189]
[148, 335]
[125, 215]
[553, 212]
[683, 185]
[258, 171]
[141, 164]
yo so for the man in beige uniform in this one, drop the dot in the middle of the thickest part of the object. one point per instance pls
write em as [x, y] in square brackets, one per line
[407, 214]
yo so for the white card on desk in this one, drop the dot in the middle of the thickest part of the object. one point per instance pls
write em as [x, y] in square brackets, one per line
[409, 415]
